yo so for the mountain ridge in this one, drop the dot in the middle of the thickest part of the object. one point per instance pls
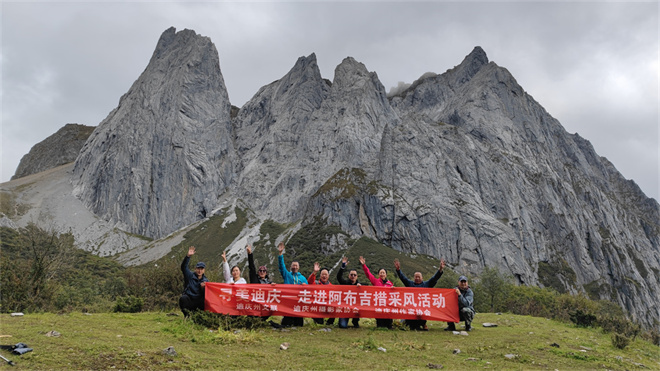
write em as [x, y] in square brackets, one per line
[463, 165]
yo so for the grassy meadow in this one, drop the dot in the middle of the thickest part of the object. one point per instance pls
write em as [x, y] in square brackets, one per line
[133, 341]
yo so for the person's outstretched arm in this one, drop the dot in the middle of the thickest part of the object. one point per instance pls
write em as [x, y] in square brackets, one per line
[254, 277]
[367, 272]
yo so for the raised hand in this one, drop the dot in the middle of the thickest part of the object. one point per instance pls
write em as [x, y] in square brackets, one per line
[317, 267]
[224, 256]
[362, 261]
[344, 260]
[442, 265]
[280, 248]
[249, 249]
[397, 265]
[191, 251]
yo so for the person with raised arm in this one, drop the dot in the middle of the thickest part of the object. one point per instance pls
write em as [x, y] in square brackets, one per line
[324, 279]
[260, 275]
[352, 280]
[193, 285]
[235, 275]
[418, 281]
[381, 281]
[293, 277]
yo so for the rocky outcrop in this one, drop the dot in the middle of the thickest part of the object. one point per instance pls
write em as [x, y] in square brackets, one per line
[160, 159]
[58, 149]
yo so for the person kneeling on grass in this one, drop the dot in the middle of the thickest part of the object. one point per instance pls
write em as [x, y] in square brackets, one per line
[465, 305]
[193, 285]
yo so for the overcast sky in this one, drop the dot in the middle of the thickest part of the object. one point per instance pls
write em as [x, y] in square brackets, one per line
[592, 65]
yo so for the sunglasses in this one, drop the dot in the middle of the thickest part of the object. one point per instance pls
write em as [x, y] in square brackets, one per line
[262, 270]
[352, 274]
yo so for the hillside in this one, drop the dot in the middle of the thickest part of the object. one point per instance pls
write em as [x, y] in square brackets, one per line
[137, 341]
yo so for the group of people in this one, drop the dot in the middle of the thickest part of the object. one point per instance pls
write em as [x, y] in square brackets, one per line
[194, 282]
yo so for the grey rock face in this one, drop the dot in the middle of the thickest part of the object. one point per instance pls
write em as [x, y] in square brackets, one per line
[58, 149]
[160, 160]
[298, 131]
[479, 173]
[463, 165]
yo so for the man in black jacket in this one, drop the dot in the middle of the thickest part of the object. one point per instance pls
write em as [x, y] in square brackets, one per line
[193, 285]
[352, 280]
[418, 324]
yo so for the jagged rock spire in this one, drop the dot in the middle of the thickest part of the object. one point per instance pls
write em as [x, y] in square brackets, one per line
[161, 158]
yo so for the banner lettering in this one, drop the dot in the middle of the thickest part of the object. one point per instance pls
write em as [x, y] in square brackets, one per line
[324, 301]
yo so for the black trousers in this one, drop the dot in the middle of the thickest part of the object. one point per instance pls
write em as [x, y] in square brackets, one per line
[416, 324]
[330, 321]
[292, 321]
[188, 304]
[384, 322]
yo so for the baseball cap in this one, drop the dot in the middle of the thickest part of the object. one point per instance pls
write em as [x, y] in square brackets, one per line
[462, 278]
[200, 265]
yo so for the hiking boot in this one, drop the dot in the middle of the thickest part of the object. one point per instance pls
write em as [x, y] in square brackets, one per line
[451, 327]
[468, 327]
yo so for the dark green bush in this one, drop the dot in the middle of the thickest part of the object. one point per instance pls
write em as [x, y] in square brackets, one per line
[620, 341]
[582, 319]
[653, 336]
[620, 325]
[128, 304]
[491, 290]
[532, 301]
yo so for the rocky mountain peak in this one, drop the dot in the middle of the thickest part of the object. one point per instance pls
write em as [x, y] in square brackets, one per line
[171, 134]
[470, 65]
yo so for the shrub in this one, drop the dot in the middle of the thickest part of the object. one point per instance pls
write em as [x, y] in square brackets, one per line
[491, 290]
[620, 325]
[128, 304]
[532, 301]
[653, 336]
[620, 341]
[582, 319]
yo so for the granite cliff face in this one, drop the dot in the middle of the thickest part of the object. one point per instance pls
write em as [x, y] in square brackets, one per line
[58, 149]
[160, 160]
[297, 132]
[463, 165]
[479, 173]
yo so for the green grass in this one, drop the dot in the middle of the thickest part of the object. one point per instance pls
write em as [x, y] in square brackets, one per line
[136, 341]
[210, 239]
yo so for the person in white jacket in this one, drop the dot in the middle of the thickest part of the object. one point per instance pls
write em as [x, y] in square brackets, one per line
[233, 275]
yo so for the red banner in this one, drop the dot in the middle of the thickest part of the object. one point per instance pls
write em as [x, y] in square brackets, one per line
[325, 301]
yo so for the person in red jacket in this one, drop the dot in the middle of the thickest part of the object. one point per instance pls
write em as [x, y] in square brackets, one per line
[381, 281]
[324, 279]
